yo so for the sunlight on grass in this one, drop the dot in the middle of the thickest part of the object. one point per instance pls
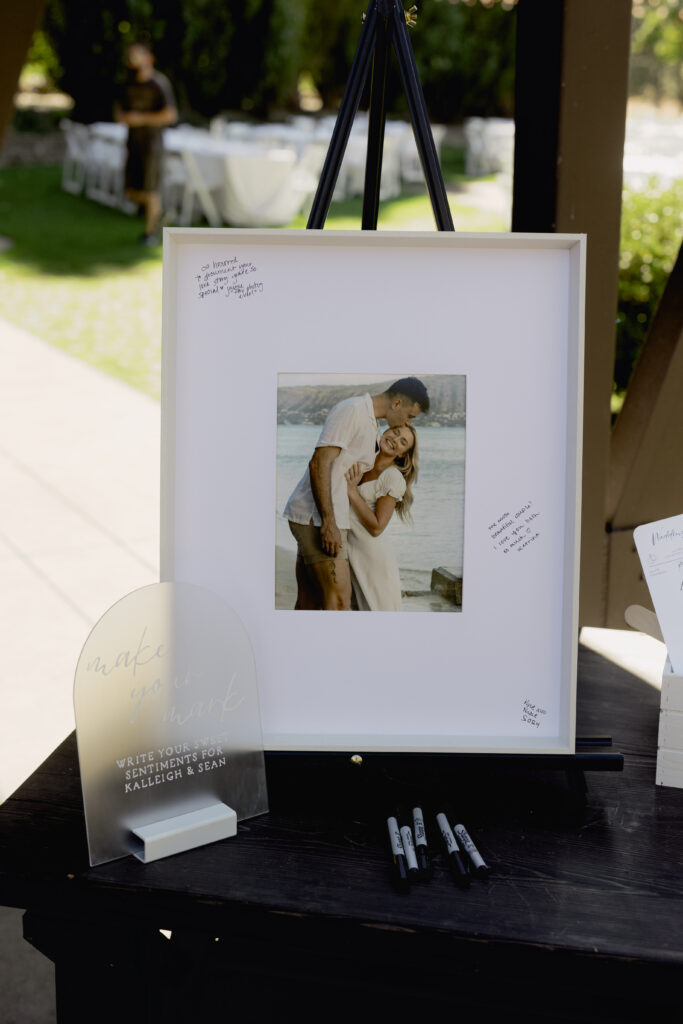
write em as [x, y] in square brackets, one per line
[76, 277]
[112, 321]
[616, 402]
[409, 213]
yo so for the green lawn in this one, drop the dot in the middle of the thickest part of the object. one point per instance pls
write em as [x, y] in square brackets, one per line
[76, 277]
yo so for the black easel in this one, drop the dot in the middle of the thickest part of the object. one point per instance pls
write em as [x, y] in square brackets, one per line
[385, 26]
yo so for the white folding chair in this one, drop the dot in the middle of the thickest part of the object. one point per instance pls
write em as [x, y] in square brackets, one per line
[75, 163]
[411, 168]
[499, 144]
[204, 175]
[106, 164]
[475, 159]
[355, 157]
[173, 182]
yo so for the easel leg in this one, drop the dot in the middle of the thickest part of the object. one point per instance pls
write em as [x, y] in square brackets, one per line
[342, 128]
[379, 32]
[421, 126]
[376, 123]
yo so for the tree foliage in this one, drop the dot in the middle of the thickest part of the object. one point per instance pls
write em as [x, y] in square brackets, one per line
[219, 54]
[249, 54]
[465, 54]
[657, 50]
[651, 232]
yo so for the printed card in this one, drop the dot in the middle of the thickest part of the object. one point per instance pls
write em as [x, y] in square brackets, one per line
[660, 549]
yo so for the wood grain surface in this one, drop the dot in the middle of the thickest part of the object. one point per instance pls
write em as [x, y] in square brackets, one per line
[582, 897]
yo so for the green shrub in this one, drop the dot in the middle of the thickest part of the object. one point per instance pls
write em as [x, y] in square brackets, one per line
[38, 119]
[651, 231]
[248, 54]
[218, 54]
[465, 54]
[41, 60]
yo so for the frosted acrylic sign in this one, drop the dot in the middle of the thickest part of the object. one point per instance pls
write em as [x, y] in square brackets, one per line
[168, 724]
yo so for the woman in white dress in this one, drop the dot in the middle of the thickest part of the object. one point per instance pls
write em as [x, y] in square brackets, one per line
[374, 497]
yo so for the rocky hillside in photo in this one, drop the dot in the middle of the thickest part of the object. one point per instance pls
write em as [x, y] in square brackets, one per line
[311, 403]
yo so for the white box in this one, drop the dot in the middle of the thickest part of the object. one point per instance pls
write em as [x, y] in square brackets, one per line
[672, 689]
[670, 742]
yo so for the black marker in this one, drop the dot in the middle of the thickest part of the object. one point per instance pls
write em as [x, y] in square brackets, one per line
[400, 872]
[409, 850]
[481, 868]
[424, 860]
[455, 862]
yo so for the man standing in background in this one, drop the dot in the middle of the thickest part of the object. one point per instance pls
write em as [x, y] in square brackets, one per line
[147, 105]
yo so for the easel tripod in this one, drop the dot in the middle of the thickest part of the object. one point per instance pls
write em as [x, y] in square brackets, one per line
[385, 26]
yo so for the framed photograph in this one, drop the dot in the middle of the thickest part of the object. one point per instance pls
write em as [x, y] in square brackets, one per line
[385, 426]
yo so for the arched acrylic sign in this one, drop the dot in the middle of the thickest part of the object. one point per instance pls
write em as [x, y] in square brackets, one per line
[168, 724]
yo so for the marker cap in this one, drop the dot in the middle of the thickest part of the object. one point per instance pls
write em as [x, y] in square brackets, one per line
[457, 865]
[480, 866]
[422, 852]
[409, 850]
[399, 873]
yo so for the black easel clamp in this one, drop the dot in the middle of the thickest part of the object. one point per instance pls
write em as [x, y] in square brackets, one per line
[385, 27]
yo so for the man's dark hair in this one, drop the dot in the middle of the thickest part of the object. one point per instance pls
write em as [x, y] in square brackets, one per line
[412, 388]
[141, 44]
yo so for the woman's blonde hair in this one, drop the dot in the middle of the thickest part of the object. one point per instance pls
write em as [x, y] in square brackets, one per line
[408, 466]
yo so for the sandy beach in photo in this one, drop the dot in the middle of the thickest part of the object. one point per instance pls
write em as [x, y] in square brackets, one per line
[285, 589]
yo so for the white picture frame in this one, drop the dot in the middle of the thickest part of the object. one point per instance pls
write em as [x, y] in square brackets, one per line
[241, 308]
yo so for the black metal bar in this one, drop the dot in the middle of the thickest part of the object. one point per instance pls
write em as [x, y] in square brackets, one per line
[538, 86]
[376, 122]
[418, 115]
[344, 122]
[598, 761]
[593, 741]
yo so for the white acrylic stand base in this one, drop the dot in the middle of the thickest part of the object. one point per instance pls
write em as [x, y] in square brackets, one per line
[183, 832]
[670, 742]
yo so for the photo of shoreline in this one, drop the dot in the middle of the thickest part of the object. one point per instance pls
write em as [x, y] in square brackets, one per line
[429, 550]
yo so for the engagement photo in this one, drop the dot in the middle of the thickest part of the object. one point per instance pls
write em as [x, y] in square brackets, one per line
[370, 492]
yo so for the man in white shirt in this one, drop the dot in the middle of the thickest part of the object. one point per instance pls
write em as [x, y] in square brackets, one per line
[318, 509]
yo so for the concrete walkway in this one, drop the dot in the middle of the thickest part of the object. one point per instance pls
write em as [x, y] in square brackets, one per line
[79, 513]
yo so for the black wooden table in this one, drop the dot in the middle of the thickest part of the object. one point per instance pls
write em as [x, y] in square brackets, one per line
[582, 918]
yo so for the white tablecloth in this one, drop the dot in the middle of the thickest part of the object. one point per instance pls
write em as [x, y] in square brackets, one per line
[255, 181]
[263, 175]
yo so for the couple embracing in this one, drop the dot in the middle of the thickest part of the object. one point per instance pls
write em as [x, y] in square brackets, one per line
[355, 481]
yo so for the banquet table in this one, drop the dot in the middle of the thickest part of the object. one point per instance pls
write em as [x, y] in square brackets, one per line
[580, 920]
[254, 181]
[245, 175]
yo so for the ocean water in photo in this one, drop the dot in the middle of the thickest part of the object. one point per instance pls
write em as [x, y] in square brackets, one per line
[435, 538]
